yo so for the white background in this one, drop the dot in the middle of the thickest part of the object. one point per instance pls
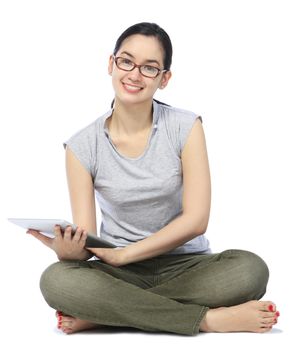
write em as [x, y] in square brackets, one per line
[230, 65]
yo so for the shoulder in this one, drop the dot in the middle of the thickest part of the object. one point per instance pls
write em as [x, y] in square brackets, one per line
[84, 145]
[178, 124]
[177, 114]
[89, 132]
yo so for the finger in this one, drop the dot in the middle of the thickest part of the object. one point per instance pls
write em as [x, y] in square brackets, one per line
[96, 252]
[67, 233]
[93, 250]
[77, 234]
[99, 252]
[84, 237]
[57, 232]
[42, 238]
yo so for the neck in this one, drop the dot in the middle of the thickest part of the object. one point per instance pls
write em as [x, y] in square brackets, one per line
[131, 120]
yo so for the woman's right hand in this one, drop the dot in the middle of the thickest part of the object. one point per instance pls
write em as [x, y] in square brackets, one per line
[65, 245]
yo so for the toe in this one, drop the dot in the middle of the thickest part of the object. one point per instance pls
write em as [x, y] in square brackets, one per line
[268, 306]
[67, 330]
[268, 321]
[66, 325]
[265, 329]
[67, 322]
[265, 314]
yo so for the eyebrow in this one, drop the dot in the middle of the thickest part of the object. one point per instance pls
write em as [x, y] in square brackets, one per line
[146, 61]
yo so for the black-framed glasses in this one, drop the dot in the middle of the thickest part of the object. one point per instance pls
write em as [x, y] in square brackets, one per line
[145, 69]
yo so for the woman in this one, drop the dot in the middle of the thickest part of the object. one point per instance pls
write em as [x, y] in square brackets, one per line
[147, 164]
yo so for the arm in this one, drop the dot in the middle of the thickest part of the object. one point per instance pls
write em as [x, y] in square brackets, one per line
[82, 199]
[193, 220]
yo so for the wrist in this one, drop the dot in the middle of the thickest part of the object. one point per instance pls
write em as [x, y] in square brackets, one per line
[122, 256]
[84, 255]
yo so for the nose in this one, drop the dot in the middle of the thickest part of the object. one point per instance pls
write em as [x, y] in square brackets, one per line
[135, 74]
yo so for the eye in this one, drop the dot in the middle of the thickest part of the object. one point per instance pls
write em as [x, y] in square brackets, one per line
[150, 69]
[125, 62]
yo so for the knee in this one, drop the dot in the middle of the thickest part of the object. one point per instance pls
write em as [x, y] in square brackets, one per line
[57, 280]
[50, 281]
[252, 271]
[66, 282]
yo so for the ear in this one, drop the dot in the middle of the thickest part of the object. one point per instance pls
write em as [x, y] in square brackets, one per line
[165, 79]
[111, 64]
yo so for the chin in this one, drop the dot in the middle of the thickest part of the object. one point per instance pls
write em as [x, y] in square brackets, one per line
[133, 100]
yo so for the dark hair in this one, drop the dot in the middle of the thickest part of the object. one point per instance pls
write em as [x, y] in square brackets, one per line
[148, 29]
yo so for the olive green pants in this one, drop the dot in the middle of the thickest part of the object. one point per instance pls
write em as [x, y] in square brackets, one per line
[167, 293]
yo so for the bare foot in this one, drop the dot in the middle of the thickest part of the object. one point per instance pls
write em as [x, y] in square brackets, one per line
[69, 324]
[253, 316]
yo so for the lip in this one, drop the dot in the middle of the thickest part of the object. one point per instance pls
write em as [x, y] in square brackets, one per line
[138, 88]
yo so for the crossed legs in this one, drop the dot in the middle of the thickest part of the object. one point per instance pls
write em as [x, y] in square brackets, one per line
[214, 293]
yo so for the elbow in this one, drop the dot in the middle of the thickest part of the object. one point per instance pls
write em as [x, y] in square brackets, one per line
[201, 227]
[198, 226]
[199, 231]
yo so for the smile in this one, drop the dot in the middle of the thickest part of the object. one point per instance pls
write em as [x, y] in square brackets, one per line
[132, 88]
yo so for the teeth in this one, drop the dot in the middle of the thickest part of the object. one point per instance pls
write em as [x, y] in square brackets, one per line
[133, 88]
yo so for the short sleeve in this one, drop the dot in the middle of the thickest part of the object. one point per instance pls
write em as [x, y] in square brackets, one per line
[179, 123]
[84, 146]
[185, 125]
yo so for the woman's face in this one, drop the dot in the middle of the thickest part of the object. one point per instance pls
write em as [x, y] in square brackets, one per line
[132, 87]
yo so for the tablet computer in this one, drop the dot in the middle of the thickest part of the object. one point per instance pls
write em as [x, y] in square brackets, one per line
[46, 227]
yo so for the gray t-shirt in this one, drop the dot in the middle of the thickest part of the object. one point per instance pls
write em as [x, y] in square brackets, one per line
[138, 196]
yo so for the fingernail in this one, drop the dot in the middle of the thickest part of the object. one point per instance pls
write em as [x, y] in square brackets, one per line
[59, 318]
[59, 325]
[271, 308]
[277, 313]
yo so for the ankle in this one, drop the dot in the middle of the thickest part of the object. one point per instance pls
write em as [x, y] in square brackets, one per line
[204, 327]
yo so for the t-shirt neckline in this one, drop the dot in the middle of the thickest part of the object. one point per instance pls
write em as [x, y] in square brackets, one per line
[152, 132]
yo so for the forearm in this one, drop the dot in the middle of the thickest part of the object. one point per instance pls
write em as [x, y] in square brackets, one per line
[176, 233]
[84, 255]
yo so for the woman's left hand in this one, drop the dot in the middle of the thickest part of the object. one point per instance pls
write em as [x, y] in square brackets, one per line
[111, 256]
